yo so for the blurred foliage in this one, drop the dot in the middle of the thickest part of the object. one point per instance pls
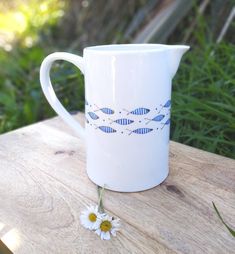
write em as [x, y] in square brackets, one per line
[22, 19]
[23, 47]
[203, 89]
[21, 99]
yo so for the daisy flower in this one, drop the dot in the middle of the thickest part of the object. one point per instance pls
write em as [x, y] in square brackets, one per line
[107, 226]
[90, 218]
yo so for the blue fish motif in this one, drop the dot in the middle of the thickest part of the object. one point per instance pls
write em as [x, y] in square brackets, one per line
[106, 129]
[138, 111]
[157, 118]
[107, 111]
[166, 105]
[166, 123]
[122, 121]
[93, 115]
[141, 131]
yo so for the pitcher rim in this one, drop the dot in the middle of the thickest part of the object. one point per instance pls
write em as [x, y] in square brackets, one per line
[132, 48]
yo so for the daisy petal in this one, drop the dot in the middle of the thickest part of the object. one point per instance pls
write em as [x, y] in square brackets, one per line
[113, 232]
[106, 236]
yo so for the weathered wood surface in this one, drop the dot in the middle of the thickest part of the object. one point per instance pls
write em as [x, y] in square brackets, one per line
[44, 187]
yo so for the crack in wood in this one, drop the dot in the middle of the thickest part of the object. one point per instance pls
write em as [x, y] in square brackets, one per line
[174, 189]
[70, 153]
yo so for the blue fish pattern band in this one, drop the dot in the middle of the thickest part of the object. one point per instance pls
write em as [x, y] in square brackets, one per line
[137, 118]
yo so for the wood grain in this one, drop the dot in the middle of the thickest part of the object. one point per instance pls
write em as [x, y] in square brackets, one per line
[44, 188]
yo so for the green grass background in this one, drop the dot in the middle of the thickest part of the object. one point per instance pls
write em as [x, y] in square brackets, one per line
[203, 103]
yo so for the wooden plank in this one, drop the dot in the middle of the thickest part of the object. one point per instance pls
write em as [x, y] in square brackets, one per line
[139, 18]
[44, 188]
[226, 25]
[164, 21]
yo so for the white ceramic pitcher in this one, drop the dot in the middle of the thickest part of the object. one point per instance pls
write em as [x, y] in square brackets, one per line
[128, 101]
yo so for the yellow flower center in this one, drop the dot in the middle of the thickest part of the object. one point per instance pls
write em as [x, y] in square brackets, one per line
[105, 226]
[92, 217]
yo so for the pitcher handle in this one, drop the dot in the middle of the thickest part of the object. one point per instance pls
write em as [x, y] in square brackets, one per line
[50, 93]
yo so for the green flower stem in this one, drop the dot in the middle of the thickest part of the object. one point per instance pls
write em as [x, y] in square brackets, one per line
[229, 229]
[100, 202]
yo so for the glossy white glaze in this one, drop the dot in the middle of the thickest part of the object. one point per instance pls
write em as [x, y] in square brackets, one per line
[126, 88]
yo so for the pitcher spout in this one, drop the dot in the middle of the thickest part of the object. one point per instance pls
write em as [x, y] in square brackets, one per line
[175, 54]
